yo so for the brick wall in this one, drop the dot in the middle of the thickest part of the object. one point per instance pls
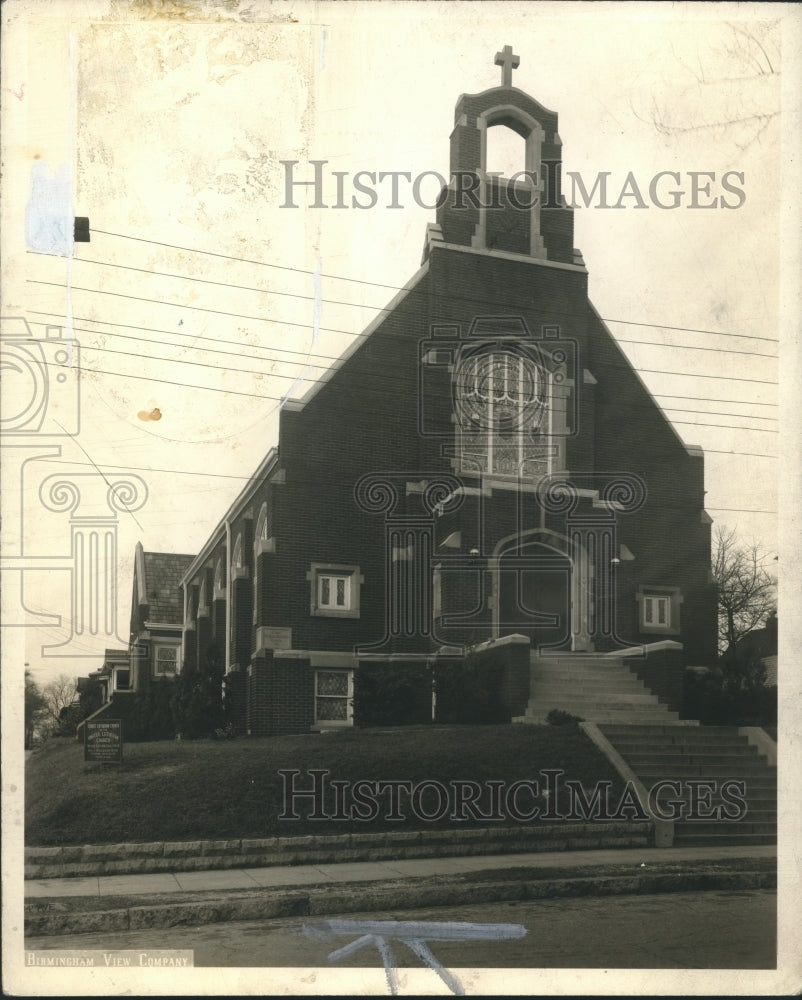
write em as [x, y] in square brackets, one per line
[257, 698]
[236, 694]
[662, 671]
[369, 418]
[242, 621]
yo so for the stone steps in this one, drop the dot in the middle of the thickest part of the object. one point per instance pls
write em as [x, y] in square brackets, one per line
[588, 674]
[691, 759]
[683, 838]
[705, 753]
[599, 717]
[748, 771]
[677, 752]
[592, 685]
[595, 712]
[691, 746]
[595, 687]
[634, 696]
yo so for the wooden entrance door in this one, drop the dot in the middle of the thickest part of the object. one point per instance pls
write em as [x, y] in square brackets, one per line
[535, 594]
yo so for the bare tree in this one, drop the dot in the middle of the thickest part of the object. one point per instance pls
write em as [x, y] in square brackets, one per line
[35, 708]
[59, 694]
[746, 590]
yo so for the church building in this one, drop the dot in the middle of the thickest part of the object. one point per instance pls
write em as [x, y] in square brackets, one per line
[482, 472]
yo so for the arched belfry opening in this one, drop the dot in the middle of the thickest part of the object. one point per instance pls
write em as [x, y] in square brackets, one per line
[503, 131]
[505, 151]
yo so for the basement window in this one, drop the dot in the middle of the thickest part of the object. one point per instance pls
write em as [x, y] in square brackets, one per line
[334, 691]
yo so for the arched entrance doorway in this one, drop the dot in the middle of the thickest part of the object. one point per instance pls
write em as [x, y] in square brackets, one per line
[538, 584]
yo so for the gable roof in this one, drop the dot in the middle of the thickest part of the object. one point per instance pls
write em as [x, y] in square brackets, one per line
[159, 584]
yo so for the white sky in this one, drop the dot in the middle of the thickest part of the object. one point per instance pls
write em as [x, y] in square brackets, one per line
[175, 133]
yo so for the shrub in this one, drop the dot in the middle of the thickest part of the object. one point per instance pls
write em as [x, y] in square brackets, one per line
[395, 695]
[729, 696]
[557, 717]
[151, 717]
[469, 691]
[197, 704]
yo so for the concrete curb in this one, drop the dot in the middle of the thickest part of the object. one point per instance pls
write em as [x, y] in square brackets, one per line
[201, 855]
[312, 901]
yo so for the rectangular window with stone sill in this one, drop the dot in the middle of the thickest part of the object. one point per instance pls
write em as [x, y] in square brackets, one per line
[334, 590]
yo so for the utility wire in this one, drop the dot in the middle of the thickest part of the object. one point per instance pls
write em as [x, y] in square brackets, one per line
[181, 305]
[220, 475]
[285, 399]
[262, 319]
[660, 371]
[398, 288]
[386, 309]
[709, 399]
[735, 427]
[306, 355]
[191, 336]
[311, 381]
[245, 260]
[301, 363]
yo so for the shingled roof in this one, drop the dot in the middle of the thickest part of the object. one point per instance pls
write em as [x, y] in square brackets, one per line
[162, 585]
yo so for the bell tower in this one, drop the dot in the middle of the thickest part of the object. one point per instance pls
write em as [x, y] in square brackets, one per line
[522, 214]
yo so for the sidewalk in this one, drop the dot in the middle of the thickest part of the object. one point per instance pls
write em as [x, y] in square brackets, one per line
[372, 871]
[130, 902]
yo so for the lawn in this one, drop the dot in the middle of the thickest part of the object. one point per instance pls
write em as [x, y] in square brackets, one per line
[206, 789]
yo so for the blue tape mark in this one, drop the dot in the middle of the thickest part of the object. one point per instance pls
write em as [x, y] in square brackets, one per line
[49, 217]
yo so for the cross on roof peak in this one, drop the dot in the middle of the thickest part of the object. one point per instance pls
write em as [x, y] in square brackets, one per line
[508, 62]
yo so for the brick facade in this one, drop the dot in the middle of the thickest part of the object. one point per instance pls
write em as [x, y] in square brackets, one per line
[373, 533]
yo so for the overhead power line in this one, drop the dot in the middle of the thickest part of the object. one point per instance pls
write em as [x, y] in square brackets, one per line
[184, 305]
[735, 427]
[181, 333]
[308, 355]
[285, 399]
[387, 380]
[709, 399]
[398, 288]
[222, 475]
[245, 260]
[385, 309]
[263, 319]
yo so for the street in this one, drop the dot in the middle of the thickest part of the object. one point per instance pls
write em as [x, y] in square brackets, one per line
[695, 930]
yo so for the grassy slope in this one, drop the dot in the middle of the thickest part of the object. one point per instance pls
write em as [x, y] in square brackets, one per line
[206, 790]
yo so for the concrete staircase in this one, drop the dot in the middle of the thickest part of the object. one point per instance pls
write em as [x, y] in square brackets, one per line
[659, 746]
[596, 687]
[709, 753]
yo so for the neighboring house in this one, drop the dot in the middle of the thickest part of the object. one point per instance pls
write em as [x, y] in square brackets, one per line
[113, 676]
[113, 679]
[154, 653]
[483, 461]
[758, 646]
[157, 615]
